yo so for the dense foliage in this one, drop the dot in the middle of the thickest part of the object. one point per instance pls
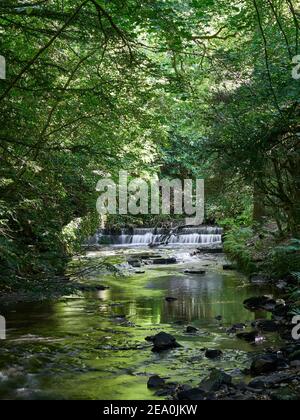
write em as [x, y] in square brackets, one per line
[195, 88]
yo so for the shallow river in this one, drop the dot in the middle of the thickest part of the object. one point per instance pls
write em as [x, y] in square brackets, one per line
[82, 347]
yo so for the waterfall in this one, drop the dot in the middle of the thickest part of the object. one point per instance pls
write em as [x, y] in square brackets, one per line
[205, 235]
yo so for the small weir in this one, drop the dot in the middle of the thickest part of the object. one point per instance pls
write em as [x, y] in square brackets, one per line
[205, 235]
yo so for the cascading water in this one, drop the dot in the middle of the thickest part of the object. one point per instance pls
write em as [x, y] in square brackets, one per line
[205, 235]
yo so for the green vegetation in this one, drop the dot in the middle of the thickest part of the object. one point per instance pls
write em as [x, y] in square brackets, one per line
[198, 88]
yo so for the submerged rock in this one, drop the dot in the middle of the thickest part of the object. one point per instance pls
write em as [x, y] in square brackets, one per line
[215, 381]
[164, 341]
[162, 261]
[213, 354]
[192, 271]
[155, 382]
[171, 299]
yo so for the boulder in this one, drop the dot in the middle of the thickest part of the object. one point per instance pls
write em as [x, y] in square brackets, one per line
[266, 325]
[155, 382]
[248, 336]
[164, 341]
[264, 364]
[215, 381]
[191, 330]
[260, 303]
[272, 380]
[213, 354]
[281, 310]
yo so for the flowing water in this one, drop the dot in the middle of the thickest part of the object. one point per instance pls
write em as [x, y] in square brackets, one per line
[206, 235]
[93, 346]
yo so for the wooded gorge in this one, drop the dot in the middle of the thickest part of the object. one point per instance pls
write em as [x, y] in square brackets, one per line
[193, 88]
[176, 89]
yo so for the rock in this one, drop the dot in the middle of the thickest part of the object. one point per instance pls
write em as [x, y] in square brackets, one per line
[149, 256]
[200, 272]
[215, 381]
[239, 326]
[213, 354]
[265, 325]
[272, 380]
[264, 364]
[219, 318]
[168, 390]
[235, 328]
[150, 338]
[164, 341]
[281, 310]
[228, 267]
[164, 261]
[91, 288]
[171, 299]
[260, 303]
[191, 330]
[140, 272]
[210, 250]
[155, 382]
[195, 394]
[258, 383]
[135, 263]
[248, 336]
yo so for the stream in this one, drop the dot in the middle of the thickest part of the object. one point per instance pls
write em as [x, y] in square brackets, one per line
[92, 345]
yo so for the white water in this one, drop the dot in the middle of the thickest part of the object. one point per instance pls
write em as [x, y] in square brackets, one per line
[139, 237]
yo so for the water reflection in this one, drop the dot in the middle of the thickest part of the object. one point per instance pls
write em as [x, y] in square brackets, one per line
[77, 347]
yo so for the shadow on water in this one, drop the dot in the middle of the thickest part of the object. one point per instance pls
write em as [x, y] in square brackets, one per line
[92, 346]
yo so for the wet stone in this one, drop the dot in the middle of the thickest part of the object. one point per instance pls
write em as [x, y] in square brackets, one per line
[164, 341]
[213, 354]
[155, 382]
[191, 330]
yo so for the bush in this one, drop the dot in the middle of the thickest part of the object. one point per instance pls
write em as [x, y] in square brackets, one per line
[235, 246]
[285, 259]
